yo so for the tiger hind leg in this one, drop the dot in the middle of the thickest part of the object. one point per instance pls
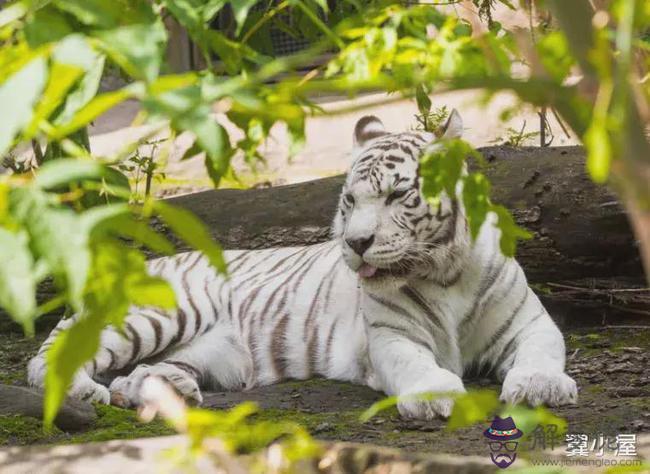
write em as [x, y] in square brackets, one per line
[146, 333]
[83, 387]
[216, 359]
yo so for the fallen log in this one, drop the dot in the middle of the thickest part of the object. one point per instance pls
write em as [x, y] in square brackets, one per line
[580, 229]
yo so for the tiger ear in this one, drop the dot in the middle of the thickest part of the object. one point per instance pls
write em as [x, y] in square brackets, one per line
[453, 127]
[366, 129]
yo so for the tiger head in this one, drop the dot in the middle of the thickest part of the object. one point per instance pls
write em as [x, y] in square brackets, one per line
[385, 225]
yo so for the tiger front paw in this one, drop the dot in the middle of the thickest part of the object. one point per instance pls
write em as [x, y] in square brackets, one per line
[538, 386]
[415, 402]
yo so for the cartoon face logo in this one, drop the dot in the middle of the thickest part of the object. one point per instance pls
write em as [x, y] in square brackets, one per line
[502, 435]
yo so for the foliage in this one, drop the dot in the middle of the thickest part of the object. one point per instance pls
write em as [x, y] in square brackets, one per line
[237, 432]
[443, 170]
[516, 137]
[143, 166]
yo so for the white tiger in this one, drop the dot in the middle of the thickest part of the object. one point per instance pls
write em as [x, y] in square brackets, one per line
[400, 300]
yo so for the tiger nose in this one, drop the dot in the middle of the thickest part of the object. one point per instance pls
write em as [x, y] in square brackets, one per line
[360, 245]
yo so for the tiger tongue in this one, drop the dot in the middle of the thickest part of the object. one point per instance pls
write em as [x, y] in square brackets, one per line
[366, 271]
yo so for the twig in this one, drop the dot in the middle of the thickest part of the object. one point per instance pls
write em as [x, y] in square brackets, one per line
[625, 327]
[630, 310]
[542, 127]
[38, 153]
[559, 121]
[598, 290]
[266, 17]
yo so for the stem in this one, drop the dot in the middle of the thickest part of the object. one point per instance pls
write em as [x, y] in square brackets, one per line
[147, 183]
[319, 24]
[51, 305]
[265, 18]
[38, 153]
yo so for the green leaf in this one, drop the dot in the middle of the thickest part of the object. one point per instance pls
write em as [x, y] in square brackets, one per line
[62, 78]
[192, 151]
[381, 405]
[98, 13]
[555, 55]
[17, 282]
[476, 199]
[67, 354]
[56, 173]
[442, 168]
[129, 226]
[18, 94]
[211, 8]
[189, 112]
[57, 236]
[189, 228]
[46, 25]
[74, 50]
[84, 91]
[138, 49]
[90, 111]
[510, 231]
[214, 140]
[599, 151]
[144, 290]
[472, 407]
[118, 274]
[11, 13]
[97, 217]
[240, 10]
[230, 52]
[4, 202]
[423, 100]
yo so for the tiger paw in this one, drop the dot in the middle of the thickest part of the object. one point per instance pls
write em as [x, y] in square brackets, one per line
[83, 387]
[125, 391]
[416, 403]
[90, 391]
[539, 386]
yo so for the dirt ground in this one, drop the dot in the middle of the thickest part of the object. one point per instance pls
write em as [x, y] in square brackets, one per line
[611, 366]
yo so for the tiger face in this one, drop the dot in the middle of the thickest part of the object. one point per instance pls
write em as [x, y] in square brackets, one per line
[385, 226]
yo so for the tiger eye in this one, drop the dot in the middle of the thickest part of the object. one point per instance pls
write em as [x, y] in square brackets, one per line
[349, 198]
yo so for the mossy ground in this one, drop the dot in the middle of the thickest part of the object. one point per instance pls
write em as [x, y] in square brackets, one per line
[611, 366]
[112, 423]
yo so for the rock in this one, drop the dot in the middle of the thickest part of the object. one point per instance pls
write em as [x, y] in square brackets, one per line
[74, 415]
[323, 427]
[624, 392]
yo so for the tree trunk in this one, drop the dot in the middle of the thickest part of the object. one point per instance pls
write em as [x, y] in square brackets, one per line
[583, 260]
[580, 229]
